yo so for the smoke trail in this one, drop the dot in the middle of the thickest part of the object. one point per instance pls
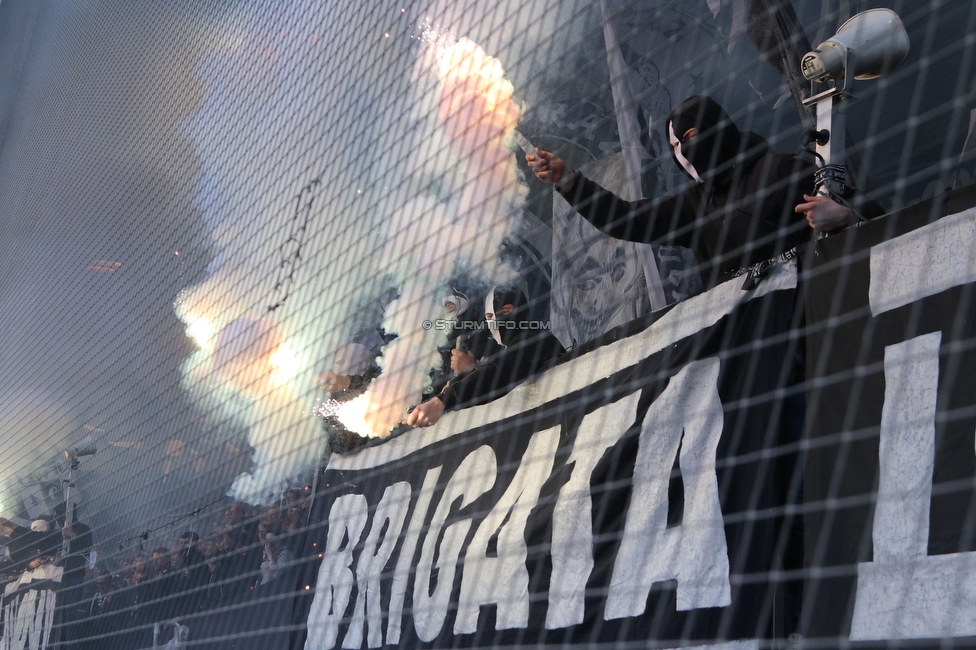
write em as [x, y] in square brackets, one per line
[309, 223]
[257, 318]
[476, 111]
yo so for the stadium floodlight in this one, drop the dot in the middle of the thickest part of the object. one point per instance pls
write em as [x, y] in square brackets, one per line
[870, 44]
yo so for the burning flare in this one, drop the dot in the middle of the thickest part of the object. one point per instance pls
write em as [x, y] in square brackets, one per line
[476, 111]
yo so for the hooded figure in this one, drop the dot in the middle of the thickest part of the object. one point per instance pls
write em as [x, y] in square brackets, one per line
[355, 364]
[468, 341]
[526, 348]
[738, 211]
[28, 544]
[711, 154]
[505, 309]
[456, 304]
[352, 359]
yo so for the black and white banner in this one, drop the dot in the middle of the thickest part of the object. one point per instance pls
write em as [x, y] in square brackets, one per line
[29, 605]
[630, 494]
[890, 475]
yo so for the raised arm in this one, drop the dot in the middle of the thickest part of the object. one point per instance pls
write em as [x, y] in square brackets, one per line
[661, 221]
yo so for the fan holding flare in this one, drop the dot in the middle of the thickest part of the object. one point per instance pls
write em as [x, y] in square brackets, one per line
[476, 112]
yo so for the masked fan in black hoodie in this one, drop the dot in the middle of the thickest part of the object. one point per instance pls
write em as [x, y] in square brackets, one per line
[526, 350]
[744, 207]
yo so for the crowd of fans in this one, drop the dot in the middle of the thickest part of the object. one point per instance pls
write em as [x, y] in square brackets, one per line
[138, 600]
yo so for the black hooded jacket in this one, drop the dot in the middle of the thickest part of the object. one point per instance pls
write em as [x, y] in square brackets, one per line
[743, 211]
[26, 545]
[526, 350]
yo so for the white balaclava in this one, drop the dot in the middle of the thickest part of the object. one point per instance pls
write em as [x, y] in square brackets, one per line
[676, 146]
[491, 317]
[456, 303]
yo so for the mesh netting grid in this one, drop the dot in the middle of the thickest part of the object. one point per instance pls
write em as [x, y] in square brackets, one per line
[461, 324]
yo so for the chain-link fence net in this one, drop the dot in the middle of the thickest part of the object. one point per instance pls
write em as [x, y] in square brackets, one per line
[580, 324]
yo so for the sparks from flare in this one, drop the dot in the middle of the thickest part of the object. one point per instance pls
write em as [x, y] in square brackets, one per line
[353, 415]
[327, 409]
[432, 37]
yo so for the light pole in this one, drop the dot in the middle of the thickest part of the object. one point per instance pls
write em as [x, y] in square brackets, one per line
[870, 44]
[86, 448]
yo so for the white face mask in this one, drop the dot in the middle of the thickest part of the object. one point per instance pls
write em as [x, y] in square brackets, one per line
[491, 317]
[456, 304]
[676, 145]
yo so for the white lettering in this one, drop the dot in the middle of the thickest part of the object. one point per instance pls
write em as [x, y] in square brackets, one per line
[572, 518]
[392, 508]
[905, 593]
[28, 620]
[907, 449]
[346, 522]
[694, 553]
[401, 575]
[503, 579]
[473, 477]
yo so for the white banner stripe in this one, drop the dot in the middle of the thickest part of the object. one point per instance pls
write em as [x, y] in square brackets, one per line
[923, 262]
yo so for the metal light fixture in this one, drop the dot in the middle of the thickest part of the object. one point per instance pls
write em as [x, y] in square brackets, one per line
[870, 44]
[85, 448]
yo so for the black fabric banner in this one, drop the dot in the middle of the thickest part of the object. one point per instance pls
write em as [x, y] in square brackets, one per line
[29, 608]
[890, 472]
[633, 493]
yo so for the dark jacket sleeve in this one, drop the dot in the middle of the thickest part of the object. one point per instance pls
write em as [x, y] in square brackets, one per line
[497, 375]
[21, 547]
[78, 548]
[665, 221]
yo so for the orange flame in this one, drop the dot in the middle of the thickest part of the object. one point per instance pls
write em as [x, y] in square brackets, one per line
[475, 103]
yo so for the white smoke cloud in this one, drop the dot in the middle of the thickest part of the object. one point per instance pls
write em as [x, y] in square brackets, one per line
[254, 134]
[321, 196]
[37, 428]
[476, 114]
